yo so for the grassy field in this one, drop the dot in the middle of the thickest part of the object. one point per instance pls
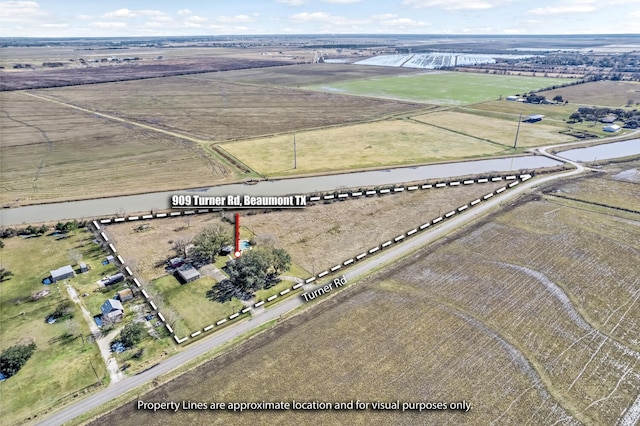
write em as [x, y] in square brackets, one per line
[443, 88]
[602, 93]
[377, 144]
[307, 74]
[51, 153]
[219, 111]
[60, 367]
[191, 304]
[531, 317]
[498, 130]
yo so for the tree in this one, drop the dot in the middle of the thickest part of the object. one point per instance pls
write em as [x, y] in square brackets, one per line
[211, 240]
[13, 358]
[132, 334]
[558, 99]
[575, 117]
[281, 261]
[181, 244]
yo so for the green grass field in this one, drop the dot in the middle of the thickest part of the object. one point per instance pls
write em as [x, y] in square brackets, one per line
[443, 88]
[377, 144]
[59, 367]
[192, 305]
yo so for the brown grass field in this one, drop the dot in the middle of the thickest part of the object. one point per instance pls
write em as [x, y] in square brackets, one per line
[377, 144]
[307, 74]
[220, 111]
[51, 153]
[532, 316]
[602, 93]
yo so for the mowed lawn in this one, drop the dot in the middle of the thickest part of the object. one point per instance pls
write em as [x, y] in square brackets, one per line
[59, 367]
[444, 88]
[190, 302]
[377, 144]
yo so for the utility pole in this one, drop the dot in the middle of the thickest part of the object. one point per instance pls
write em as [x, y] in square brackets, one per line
[295, 157]
[517, 131]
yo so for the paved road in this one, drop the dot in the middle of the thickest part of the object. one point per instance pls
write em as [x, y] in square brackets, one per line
[387, 256]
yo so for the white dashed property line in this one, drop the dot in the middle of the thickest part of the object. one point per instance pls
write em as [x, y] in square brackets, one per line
[398, 238]
[153, 305]
[189, 212]
[314, 198]
[413, 231]
[489, 195]
[297, 286]
[347, 262]
[463, 208]
[412, 188]
[510, 177]
[468, 182]
[161, 317]
[161, 215]
[144, 293]
[356, 194]
[375, 249]
[370, 193]
[426, 186]
[322, 274]
[441, 185]
[283, 292]
[175, 213]
[113, 249]
[105, 220]
[196, 333]
[207, 328]
[512, 184]
[425, 225]
[147, 216]
[343, 195]
[104, 237]
[222, 321]
[269, 299]
[525, 177]
[126, 268]
[308, 280]
[328, 197]
[496, 179]
[184, 339]
[451, 213]
[260, 303]
[454, 183]
[169, 328]
[95, 225]
[119, 219]
[335, 268]
[120, 259]
[178, 341]
[398, 189]
[135, 280]
[385, 191]
[360, 256]
[245, 310]
[483, 180]
[386, 244]
[474, 202]
[133, 218]
[234, 316]
[499, 190]
[436, 220]
[204, 211]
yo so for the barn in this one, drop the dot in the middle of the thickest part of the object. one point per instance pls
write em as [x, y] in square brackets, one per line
[534, 118]
[62, 273]
[611, 128]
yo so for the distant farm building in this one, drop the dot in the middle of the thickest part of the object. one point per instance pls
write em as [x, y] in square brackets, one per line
[512, 98]
[188, 275]
[534, 118]
[83, 267]
[611, 128]
[112, 310]
[609, 119]
[114, 279]
[62, 273]
[124, 295]
[110, 259]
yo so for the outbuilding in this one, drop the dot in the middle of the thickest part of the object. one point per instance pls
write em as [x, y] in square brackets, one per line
[188, 275]
[611, 128]
[62, 273]
[112, 310]
[83, 267]
[534, 118]
[124, 295]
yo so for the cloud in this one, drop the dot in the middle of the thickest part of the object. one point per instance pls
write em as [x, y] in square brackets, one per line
[120, 13]
[341, 1]
[195, 19]
[108, 24]
[403, 23]
[451, 4]
[292, 2]
[20, 11]
[235, 19]
[555, 10]
[183, 12]
[311, 17]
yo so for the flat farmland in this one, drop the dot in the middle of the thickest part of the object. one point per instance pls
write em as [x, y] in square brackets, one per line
[498, 130]
[52, 153]
[443, 88]
[219, 111]
[307, 74]
[376, 144]
[532, 316]
[603, 93]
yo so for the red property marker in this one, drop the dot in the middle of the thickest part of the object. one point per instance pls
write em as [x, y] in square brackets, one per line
[238, 253]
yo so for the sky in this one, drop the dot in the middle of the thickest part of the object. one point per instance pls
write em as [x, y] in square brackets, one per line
[120, 18]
